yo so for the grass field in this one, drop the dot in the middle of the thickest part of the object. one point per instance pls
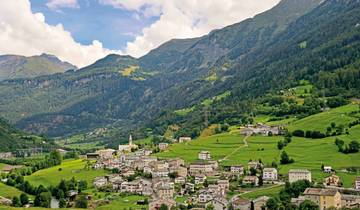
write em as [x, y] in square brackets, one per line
[308, 153]
[124, 202]
[323, 120]
[2, 165]
[69, 169]
[272, 191]
[219, 146]
[8, 192]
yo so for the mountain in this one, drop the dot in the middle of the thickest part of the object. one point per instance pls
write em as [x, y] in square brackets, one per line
[220, 75]
[15, 66]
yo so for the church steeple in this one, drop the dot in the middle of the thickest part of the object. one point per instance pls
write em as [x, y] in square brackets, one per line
[130, 140]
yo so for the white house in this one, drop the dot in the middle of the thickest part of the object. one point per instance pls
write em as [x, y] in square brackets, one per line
[204, 155]
[184, 139]
[357, 183]
[237, 169]
[299, 174]
[270, 174]
[163, 146]
[327, 169]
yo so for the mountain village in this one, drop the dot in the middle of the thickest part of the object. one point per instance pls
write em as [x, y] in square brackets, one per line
[205, 184]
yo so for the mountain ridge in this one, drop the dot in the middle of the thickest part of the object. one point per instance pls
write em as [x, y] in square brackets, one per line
[17, 66]
[106, 96]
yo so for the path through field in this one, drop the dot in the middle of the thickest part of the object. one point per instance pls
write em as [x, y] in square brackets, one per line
[237, 149]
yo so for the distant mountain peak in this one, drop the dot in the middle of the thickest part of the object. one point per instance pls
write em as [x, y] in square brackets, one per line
[18, 66]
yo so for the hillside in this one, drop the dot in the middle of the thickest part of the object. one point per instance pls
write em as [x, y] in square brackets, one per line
[12, 139]
[15, 66]
[245, 62]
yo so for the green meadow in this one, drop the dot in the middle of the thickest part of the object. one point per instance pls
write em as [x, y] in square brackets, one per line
[8, 192]
[272, 191]
[124, 203]
[67, 170]
[219, 146]
[307, 153]
[321, 121]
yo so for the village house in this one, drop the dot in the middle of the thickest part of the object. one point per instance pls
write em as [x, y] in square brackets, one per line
[261, 129]
[224, 184]
[350, 201]
[327, 169]
[255, 165]
[189, 187]
[357, 183]
[270, 174]
[92, 156]
[205, 196]
[220, 203]
[215, 189]
[237, 169]
[156, 203]
[241, 204]
[131, 187]
[115, 181]
[325, 198]
[100, 182]
[165, 192]
[175, 163]
[180, 180]
[160, 173]
[161, 182]
[200, 179]
[163, 146]
[159, 165]
[260, 202]
[106, 153]
[181, 171]
[204, 155]
[251, 180]
[202, 167]
[128, 147]
[332, 180]
[184, 139]
[299, 174]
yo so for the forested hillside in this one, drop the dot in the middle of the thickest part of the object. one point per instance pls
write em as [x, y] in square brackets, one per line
[224, 76]
[12, 139]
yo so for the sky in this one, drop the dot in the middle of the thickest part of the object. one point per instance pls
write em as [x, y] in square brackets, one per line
[83, 31]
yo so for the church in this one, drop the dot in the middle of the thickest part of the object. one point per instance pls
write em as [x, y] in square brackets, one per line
[128, 147]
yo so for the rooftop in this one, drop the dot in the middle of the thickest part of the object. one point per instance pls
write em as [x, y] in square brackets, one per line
[320, 191]
[299, 171]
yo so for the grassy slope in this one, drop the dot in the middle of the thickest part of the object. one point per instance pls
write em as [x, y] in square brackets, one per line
[8, 192]
[70, 168]
[124, 202]
[323, 120]
[272, 191]
[189, 151]
[307, 153]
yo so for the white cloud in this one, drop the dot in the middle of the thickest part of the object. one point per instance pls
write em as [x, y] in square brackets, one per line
[185, 18]
[57, 4]
[25, 33]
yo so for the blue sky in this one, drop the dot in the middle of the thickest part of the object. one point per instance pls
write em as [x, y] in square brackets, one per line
[114, 27]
